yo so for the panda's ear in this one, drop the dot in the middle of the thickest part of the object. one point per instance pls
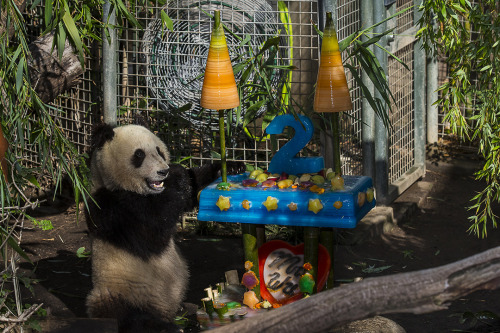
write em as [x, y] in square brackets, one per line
[100, 134]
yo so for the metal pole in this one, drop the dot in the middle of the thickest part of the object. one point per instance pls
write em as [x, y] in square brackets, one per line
[381, 136]
[432, 96]
[109, 59]
[367, 113]
[419, 62]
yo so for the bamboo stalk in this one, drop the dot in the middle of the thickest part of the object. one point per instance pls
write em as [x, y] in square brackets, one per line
[250, 249]
[336, 144]
[311, 251]
[222, 146]
[326, 239]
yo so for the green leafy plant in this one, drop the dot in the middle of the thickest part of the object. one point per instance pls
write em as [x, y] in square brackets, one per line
[468, 35]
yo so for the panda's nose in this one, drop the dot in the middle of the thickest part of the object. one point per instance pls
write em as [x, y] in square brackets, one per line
[163, 172]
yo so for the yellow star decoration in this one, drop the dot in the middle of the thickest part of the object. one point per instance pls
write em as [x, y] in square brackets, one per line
[271, 203]
[315, 205]
[223, 203]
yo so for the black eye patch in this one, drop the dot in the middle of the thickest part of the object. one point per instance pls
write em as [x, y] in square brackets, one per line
[138, 158]
[160, 153]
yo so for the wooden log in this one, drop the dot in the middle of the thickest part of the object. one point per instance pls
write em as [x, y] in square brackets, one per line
[415, 292]
[49, 74]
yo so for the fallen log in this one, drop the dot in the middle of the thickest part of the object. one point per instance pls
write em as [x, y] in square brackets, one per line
[414, 292]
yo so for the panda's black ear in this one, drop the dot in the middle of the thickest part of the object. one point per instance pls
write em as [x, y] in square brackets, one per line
[100, 134]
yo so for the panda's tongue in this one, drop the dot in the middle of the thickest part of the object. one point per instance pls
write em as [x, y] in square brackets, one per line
[156, 184]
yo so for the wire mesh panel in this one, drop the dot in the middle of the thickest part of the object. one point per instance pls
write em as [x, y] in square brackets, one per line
[161, 71]
[402, 138]
[348, 22]
[74, 111]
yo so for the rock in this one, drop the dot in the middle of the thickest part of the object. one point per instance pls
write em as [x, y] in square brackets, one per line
[376, 324]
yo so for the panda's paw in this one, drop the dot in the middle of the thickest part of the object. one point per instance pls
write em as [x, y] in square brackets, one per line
[235, 167]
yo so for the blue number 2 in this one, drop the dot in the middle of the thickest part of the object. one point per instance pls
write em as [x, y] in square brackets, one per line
[284, 160]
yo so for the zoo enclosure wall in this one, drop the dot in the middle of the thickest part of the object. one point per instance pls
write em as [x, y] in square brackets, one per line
[157, 73]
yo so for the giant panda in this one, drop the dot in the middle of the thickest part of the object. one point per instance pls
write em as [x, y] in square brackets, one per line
[137, 198]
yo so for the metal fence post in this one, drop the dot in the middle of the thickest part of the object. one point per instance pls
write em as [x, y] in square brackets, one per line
[381, 178]
[419, 94]
[367, 112]
[109, 59]
[432, 97]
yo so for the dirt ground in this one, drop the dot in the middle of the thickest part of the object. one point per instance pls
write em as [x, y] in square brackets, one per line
[434, 234]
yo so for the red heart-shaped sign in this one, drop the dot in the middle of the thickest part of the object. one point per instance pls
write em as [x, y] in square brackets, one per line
[280, 268]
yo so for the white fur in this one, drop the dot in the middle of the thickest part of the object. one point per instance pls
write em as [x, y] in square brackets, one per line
[111, 165]
[159, 283]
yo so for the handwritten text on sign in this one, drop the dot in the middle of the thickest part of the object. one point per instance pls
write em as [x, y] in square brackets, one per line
[280, 268]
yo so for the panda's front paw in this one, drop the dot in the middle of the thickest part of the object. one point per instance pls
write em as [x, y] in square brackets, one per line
[235, 167]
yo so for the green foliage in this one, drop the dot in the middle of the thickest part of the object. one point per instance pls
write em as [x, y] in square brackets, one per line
[82, 253]
[469, 36]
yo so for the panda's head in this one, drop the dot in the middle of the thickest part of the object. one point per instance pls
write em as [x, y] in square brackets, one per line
[128, 158]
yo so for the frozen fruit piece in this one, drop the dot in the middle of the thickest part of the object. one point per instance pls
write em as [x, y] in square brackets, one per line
[261, 178]
[283, 176]
[329, 174]
[317, 189]
[223, 186]
[337, 204]
[249, 280]
[306, 283]
[318, 179]
[292, 206]
[250, 299]
[315, 205]
[361, 198]
[370, 194]
[246, 204]
[223, 203]
[292, 177]
[249, 182]
[285, 183]
[255, 173]
[305, 178]
[269, 183]
[271, 203]
[306, 184]
[337, 182]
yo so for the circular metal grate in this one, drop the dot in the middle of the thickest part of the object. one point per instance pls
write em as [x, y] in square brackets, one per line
[175, 60]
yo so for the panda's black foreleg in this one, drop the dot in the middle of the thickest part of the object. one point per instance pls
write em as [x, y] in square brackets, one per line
[139, 321]
[207, 173]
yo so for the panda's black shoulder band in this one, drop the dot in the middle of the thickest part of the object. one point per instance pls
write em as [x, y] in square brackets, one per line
[100, 134]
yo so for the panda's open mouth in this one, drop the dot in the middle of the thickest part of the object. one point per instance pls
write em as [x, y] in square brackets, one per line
[156, 185]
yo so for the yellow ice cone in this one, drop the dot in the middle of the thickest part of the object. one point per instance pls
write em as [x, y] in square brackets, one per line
[332, 93]
[219, 87]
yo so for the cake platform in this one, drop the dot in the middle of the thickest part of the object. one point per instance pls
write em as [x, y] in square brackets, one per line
[319, 206]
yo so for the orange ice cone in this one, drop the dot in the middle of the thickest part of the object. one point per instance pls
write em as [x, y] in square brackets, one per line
[332, 93]
[219, 87]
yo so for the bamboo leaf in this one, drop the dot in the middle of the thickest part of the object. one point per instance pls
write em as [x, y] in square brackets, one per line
[166, 21]
[19, 75]
[48, 12]
[74, 34]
